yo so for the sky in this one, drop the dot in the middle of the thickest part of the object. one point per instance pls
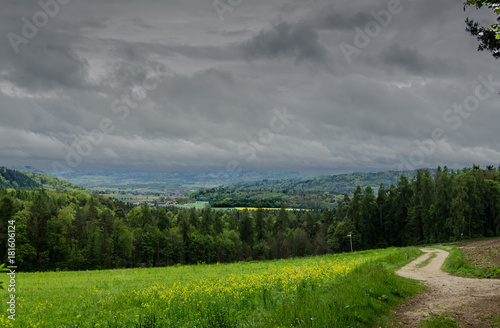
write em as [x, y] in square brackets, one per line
[274, 85]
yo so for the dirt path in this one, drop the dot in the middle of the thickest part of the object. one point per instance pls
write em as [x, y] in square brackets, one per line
[472, 301]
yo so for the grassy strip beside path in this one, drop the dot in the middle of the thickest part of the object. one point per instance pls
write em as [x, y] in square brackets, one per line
[457, 264]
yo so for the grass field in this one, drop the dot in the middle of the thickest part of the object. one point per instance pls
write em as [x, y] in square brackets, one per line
[354, 290]
[195, 205]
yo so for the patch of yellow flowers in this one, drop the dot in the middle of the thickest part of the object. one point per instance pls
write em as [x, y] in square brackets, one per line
[283, 276]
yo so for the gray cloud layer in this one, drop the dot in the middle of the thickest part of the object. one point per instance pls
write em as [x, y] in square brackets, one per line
[168, 85]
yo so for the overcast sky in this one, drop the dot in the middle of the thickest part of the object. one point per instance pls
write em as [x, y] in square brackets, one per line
[245, 84]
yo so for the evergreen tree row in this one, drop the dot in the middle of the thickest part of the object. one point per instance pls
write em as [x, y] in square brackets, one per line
[449, 206]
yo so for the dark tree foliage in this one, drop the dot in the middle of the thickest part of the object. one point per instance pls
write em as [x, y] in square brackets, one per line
[15, 179]
[488, 37]
[78, 231]
[247, 231]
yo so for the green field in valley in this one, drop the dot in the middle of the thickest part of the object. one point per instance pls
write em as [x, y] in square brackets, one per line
[341, 290]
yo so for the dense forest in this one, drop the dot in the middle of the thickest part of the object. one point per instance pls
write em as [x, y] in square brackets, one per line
[16, 180]
[344, 183]
[74, 231]
[318, 193]
[267, 198]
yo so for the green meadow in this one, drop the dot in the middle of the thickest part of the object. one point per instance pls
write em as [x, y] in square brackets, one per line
[343, 290]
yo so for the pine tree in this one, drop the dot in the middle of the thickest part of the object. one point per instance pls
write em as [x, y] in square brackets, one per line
[194, 220]
[382, 212]
[400, 197]
[163, 220]
[218, 223]
[440, 209]
[206, 222]
[429, 231]
[460, 207]
[246, 228]
[342, 208]
[354, 211]
[368, 219]
[260, 224]
[311, 226]
[281, 224]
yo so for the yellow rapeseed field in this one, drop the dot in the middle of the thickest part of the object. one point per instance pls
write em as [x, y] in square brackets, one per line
[283, 276]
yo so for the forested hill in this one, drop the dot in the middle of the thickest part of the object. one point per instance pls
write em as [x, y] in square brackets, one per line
[177, 181]
[16, 180]
[341, 183]
[25, 179]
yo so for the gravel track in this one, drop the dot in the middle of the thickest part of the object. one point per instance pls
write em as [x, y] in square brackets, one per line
[472, 301]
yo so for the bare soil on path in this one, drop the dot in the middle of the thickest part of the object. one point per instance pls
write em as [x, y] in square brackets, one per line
[471, 301]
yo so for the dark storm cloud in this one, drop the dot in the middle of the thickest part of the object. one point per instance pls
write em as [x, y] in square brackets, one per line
[221, 83]
[413, 62]
[334, 17]
[125, 75]
[140, 51]
[40, 56]
[229, 33]
[285, 40]
[45, 67]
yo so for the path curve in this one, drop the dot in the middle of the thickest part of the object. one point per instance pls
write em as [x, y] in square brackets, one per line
[471, 300]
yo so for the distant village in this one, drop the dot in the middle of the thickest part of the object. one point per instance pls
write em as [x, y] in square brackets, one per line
[156, 203]
[157, 198]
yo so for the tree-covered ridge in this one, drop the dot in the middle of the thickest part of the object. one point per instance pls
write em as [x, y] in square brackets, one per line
[53, 183]
[27, 179]
[16, 180]
[340, 183]
[267, 198]
[177, 181]
[319, 193]
[76, 231]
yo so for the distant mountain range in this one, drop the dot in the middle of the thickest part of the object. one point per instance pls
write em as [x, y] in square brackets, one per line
[29, 177]
[172, 181]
